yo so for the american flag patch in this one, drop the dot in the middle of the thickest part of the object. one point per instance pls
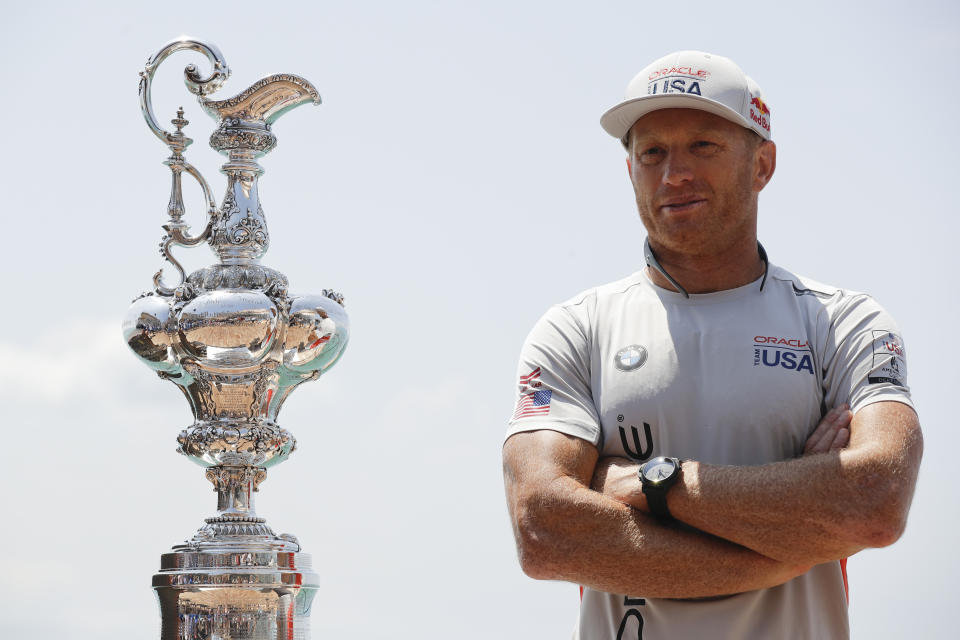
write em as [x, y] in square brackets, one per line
[536, 401]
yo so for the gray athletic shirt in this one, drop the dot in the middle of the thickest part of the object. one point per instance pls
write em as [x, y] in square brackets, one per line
[737, 377]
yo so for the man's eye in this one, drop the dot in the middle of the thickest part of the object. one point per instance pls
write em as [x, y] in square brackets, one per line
[651, 155]
[703, 147]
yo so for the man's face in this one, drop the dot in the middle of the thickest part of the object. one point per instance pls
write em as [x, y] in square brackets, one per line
[696, 177]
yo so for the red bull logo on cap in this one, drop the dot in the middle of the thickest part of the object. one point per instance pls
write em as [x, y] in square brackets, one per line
[760, 112]
[760, 105]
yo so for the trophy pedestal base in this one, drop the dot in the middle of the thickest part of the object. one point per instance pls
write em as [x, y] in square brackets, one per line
[235, 594]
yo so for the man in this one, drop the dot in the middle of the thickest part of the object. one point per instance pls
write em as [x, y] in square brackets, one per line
[701, 444]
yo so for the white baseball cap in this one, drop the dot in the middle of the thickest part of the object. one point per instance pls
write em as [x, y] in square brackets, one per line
[691, 80]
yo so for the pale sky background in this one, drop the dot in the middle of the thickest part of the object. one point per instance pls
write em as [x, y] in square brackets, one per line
[453, 185]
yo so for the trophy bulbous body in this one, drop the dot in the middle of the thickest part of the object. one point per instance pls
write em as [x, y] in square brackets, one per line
[236, 344]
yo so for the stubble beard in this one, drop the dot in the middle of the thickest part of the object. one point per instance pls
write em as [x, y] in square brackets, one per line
[727, 221]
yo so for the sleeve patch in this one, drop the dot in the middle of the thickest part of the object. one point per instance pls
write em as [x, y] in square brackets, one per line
[889, 359]
[534, 400]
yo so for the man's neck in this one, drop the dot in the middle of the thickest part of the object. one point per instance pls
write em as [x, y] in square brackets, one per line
[729, 269]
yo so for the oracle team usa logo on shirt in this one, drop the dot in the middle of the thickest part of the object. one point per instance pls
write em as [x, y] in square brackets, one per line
[792, 354]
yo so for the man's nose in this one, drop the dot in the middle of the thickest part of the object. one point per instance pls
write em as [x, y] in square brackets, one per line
[676, 169]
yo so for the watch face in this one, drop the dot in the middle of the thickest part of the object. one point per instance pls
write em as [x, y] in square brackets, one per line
[659, 470]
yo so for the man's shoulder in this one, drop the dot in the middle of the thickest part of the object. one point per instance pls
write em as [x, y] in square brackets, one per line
[580, 314]
[804, 286]
[605, 291]
[819, 298]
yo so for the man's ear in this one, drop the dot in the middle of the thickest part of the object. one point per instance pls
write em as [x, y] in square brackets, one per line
[629, 167]
[765, 161]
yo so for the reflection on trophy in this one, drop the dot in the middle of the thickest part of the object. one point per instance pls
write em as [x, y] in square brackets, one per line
[236, 343]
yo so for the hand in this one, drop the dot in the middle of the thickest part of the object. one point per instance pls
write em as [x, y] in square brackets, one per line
[617, 478]
[833, 432]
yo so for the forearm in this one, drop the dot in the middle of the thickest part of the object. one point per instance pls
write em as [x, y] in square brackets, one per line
[812, 509]
[578, 535]
[566, 531]
[786, 510]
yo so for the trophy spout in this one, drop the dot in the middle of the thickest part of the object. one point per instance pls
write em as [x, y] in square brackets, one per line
[265, 100]
[245, 119]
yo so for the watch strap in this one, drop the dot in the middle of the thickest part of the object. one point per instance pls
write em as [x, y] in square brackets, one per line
[657, 501]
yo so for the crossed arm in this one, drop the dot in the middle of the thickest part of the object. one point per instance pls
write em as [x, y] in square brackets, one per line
[755, 527]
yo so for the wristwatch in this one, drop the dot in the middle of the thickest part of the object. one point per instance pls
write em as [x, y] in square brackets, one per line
[656, 478]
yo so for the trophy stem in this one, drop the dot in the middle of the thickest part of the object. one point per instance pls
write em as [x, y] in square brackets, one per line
[235, 487]
[235, 579]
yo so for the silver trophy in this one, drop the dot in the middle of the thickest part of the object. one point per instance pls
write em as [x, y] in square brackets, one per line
[236, 343]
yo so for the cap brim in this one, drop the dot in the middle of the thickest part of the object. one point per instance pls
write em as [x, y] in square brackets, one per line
[618, 120]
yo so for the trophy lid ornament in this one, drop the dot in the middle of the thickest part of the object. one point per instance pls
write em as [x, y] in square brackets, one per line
[236, 343]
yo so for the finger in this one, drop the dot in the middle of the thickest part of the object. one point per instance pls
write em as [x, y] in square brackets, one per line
[824, 431]
[845, 417]
[822, 439]
[841, 439]
[822, 445]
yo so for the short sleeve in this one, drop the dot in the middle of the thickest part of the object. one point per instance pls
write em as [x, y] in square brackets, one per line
[553, 380]
[866, 360]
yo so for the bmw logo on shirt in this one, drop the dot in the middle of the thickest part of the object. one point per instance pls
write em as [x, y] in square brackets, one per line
[630, 358]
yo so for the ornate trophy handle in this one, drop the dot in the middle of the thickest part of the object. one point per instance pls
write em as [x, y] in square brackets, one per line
[165, 244]
[196, 84]
[177, 230]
